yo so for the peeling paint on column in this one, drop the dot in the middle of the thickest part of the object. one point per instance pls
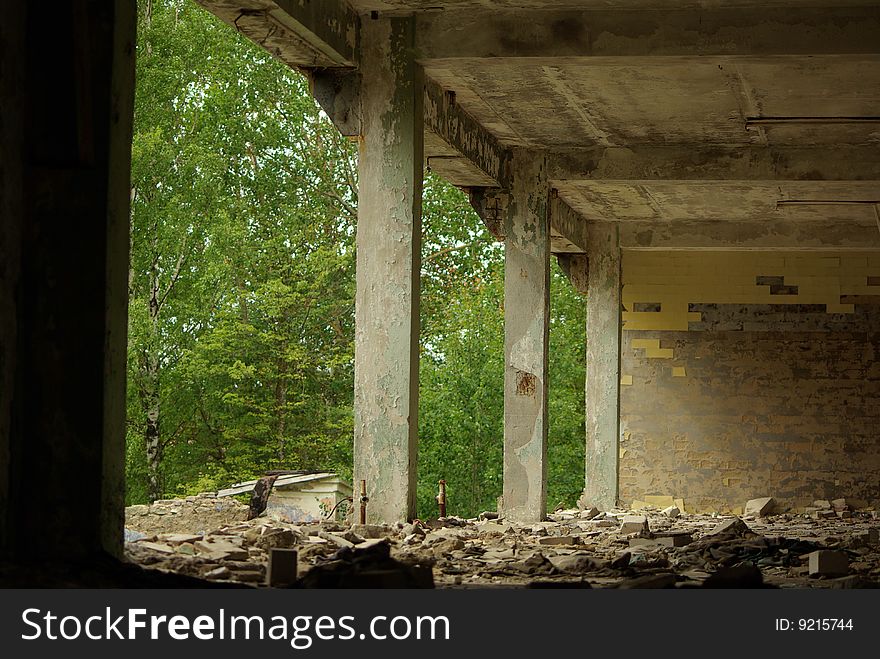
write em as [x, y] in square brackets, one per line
[603, 366]
[388, 265]
[526, 326]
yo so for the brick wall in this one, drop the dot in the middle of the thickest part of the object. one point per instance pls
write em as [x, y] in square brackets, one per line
[752, 399]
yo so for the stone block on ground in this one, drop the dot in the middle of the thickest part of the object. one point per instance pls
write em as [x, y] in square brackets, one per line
[759, 507]
[282, 568]
[634, 524]
[663, 540]
[828, 563]
[671, 512]
[589, 513]
[840, 505]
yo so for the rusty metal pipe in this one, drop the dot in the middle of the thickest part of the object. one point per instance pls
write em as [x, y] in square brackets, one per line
[441, 498]
[364, 500]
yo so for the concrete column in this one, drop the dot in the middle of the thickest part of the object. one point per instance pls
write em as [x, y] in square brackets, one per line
[66, 98]
[386, 381]
[526, 326]
[603, 366]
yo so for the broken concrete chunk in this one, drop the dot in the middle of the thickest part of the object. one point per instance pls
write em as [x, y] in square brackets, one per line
[734, 526]
[589, 513]
[840, 505]
[372, 531]
[665, 540]
[558, 540]
[824, 513]
[760, 507]
[337, 540]
[671, 511]
[246, 576]
[180, 538]
[821, 503]
[221, 572]
[221, 550]
[157, 546]
[634, 524]
[446, 546]
[828, 563]
[574, 563]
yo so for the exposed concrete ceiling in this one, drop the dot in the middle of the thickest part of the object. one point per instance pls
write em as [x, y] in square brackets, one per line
[439, 5]
[666, 100]
[732, 201]
[650, 111]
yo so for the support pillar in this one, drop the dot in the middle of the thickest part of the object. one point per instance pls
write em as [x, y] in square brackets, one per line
[603, 366]
[526, 327]
[386, 383]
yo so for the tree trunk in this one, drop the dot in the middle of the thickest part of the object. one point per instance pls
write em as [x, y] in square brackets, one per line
[280, 404]
[150, 394]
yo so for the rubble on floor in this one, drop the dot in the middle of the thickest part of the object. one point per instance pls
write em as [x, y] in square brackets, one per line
[650, 548]
[200, 513]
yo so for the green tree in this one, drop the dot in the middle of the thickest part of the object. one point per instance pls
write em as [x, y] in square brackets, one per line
[243, 199]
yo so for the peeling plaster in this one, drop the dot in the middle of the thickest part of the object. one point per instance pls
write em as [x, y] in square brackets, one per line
[526, 325]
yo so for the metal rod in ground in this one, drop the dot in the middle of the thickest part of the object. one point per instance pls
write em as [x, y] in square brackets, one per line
[441, 498]
[364, 500]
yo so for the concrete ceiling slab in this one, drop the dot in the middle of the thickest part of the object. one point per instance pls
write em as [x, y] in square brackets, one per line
[440, 5]
[658, 100]
[733, 201]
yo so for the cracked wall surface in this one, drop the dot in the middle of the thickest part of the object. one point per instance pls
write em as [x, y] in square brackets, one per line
[754, 374]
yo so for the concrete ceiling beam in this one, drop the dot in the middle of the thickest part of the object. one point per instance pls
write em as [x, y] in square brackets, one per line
[300, 34]
[697, 162]
[460, 131]
[727, 31]
[568, 230]
[749, 235]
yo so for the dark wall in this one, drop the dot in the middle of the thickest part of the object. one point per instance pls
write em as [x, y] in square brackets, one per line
[67, 93]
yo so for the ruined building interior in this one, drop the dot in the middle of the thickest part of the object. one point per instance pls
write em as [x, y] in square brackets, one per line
[707, 174]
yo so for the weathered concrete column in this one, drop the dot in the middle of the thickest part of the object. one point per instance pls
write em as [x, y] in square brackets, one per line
[603, 366]
[526, 327]
[386, 382]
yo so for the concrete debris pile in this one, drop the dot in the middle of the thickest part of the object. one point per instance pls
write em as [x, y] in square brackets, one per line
[650, 548]
[194, 514]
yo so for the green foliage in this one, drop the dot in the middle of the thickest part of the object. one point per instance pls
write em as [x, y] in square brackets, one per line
[242, 238]
[241, 300]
